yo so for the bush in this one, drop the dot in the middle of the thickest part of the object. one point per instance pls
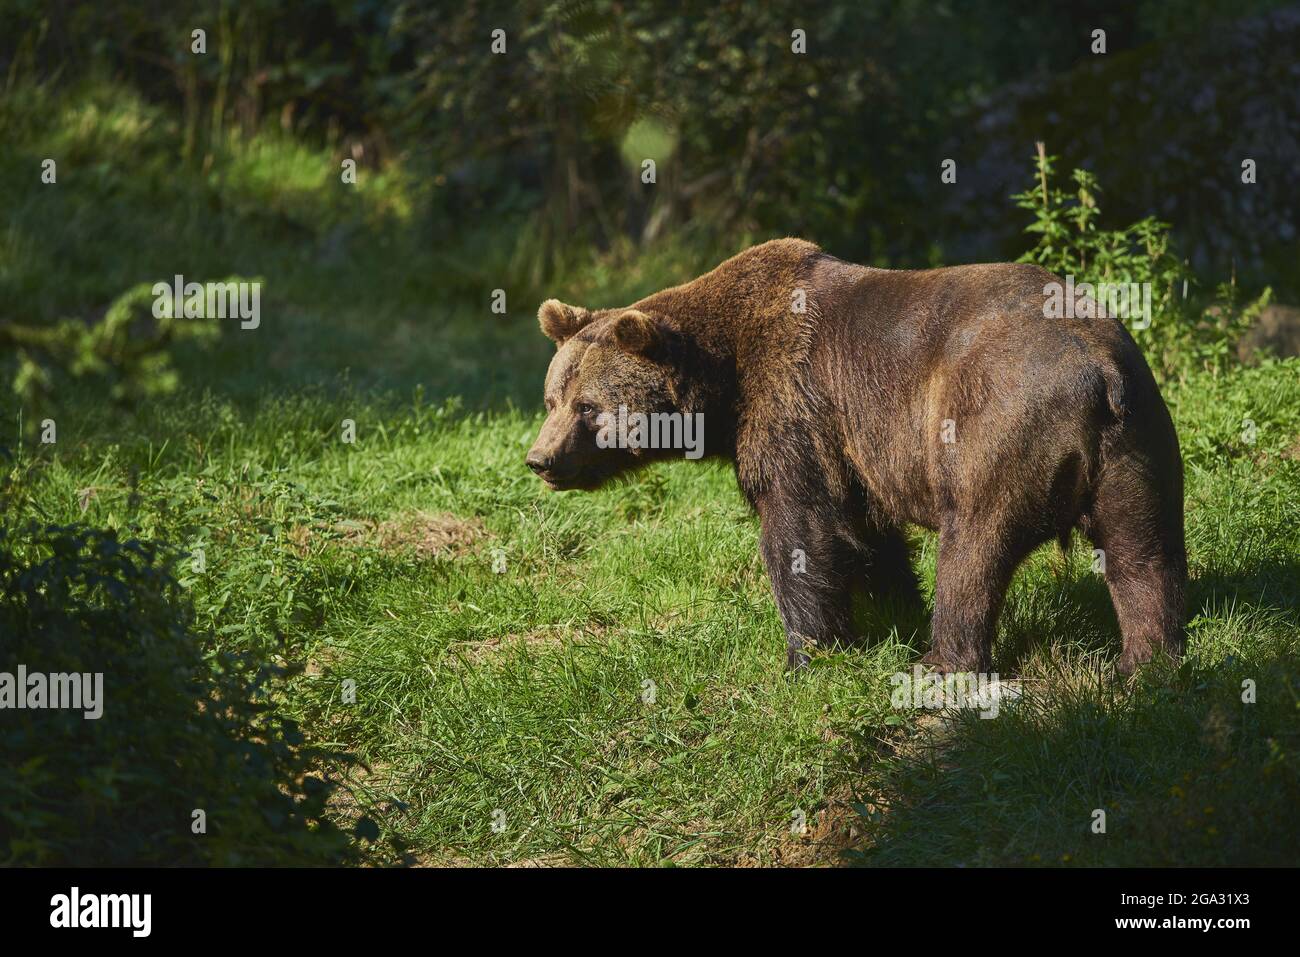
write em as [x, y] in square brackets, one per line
[1182, 333]
[181, 729]
[127, 351]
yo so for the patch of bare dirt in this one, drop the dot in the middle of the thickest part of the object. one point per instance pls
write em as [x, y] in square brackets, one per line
[320, 661]
[830, 832]
[427, 534]
[478, 652]
[548, 860]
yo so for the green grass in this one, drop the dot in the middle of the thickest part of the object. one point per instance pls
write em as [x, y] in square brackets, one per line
[519, 697]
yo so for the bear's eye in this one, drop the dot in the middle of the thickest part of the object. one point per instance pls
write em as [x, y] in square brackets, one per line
[585, 409]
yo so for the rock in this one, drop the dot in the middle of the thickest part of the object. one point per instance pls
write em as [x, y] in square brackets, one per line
[1277, 330]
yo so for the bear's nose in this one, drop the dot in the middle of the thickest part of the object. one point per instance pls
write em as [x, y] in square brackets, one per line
[538, 462]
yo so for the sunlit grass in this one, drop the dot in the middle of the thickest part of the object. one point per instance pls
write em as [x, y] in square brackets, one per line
[598, 678]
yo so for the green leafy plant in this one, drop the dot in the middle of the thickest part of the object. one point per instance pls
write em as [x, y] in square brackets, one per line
[183, 727]
[1072, 242]
[128, 349]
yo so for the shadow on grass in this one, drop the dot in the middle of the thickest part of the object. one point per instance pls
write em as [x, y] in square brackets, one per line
[1191, 764]
[1078, 610]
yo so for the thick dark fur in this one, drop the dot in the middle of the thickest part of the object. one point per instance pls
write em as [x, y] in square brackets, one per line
[835, 420]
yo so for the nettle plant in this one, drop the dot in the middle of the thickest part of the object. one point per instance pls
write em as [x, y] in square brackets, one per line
[1184, 330]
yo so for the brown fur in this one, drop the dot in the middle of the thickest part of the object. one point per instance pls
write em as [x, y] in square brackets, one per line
[835, 416]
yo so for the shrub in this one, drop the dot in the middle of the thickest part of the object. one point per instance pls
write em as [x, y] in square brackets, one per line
[128, 350]
[1182, 334]
[182, 728]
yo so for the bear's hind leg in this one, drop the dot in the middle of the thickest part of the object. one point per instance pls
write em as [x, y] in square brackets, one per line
[1138, 527]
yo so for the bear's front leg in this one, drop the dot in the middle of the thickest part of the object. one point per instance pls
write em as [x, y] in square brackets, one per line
[810, 564]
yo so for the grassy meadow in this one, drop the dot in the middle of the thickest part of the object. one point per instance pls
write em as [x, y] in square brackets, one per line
[597, 678]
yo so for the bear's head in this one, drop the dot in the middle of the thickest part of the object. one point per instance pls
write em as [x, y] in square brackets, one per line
[607, 363]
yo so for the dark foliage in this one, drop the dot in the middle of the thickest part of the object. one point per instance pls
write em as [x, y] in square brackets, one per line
[181, 729]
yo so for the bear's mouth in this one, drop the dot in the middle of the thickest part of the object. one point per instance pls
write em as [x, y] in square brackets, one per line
[569, 481]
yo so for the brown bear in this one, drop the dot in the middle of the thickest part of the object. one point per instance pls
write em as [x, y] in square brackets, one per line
[856, 400]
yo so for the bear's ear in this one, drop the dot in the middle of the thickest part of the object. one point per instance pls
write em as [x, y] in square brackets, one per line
[560, 322]
[634, 331]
